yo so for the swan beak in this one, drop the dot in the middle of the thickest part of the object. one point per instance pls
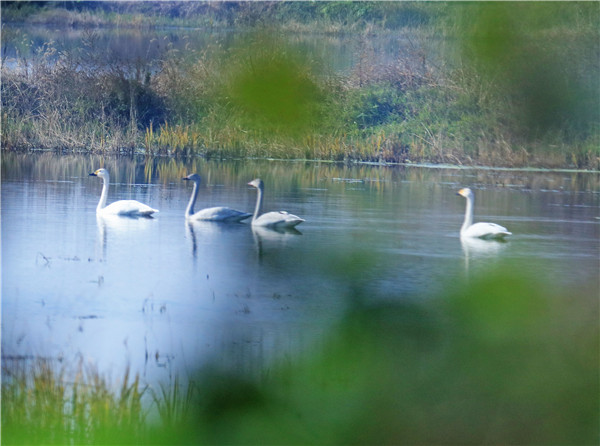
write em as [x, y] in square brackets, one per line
[93, 174]
[185, 178]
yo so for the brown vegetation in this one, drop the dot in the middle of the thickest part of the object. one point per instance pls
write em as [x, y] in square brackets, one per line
[504, 103]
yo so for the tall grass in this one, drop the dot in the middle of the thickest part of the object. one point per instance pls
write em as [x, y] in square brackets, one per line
[450, 101]
[43, 404]
[176, 402]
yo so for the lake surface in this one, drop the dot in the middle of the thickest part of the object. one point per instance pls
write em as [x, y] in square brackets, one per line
[164, 297]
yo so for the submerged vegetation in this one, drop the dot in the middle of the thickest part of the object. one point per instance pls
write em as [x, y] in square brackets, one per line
[504, 86]
[499, 360]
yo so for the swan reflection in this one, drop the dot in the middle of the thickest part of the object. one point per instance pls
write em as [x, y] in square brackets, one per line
[119, 225]
[476, 248]
[268, 236]
[205, 229]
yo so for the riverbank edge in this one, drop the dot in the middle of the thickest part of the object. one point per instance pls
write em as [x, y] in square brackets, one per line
[417, 164]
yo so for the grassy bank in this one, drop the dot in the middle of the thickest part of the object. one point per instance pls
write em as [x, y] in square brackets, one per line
[499, 360]
[484, 95]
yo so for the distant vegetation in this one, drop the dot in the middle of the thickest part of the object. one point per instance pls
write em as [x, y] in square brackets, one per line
[517, 85]
[341, 16]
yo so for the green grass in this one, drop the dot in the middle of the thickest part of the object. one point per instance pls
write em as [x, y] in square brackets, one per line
[43, 404]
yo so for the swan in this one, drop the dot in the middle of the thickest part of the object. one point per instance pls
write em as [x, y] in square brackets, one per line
[130, 208]
[219, 213]
[280, 219]
[479, 230]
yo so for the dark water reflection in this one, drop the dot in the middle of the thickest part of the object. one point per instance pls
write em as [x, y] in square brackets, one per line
[161, 294]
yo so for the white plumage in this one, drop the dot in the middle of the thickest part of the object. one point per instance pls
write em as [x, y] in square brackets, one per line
[478, 230]
[130, 208]
[218, 213]
[275, 219]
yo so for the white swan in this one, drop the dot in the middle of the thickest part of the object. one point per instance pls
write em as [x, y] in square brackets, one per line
[479, 230]
[280, 219]
[218, 213]
[130, 208]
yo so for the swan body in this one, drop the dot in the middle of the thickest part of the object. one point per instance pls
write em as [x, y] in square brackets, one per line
[218, 213]
[478, 230]
[276, 219]
[128, 208]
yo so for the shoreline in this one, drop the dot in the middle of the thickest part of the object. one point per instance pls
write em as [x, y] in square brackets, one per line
[417, 164]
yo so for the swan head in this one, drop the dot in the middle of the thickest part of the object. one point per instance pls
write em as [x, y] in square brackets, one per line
[102, 173]
[192, 177]
[465, 192]
[257, 183]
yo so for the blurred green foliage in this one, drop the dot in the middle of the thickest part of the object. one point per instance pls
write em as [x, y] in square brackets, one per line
[502, 359]
[273, 87]
[518, 46]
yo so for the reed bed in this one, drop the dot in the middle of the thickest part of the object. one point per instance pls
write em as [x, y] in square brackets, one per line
[444, 101]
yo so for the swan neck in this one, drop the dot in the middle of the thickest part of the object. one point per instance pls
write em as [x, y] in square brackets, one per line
[104, 195]
[468, 214]
[259, 199]
[190, 207]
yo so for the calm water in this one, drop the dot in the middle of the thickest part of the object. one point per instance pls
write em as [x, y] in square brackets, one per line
[163, 296]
